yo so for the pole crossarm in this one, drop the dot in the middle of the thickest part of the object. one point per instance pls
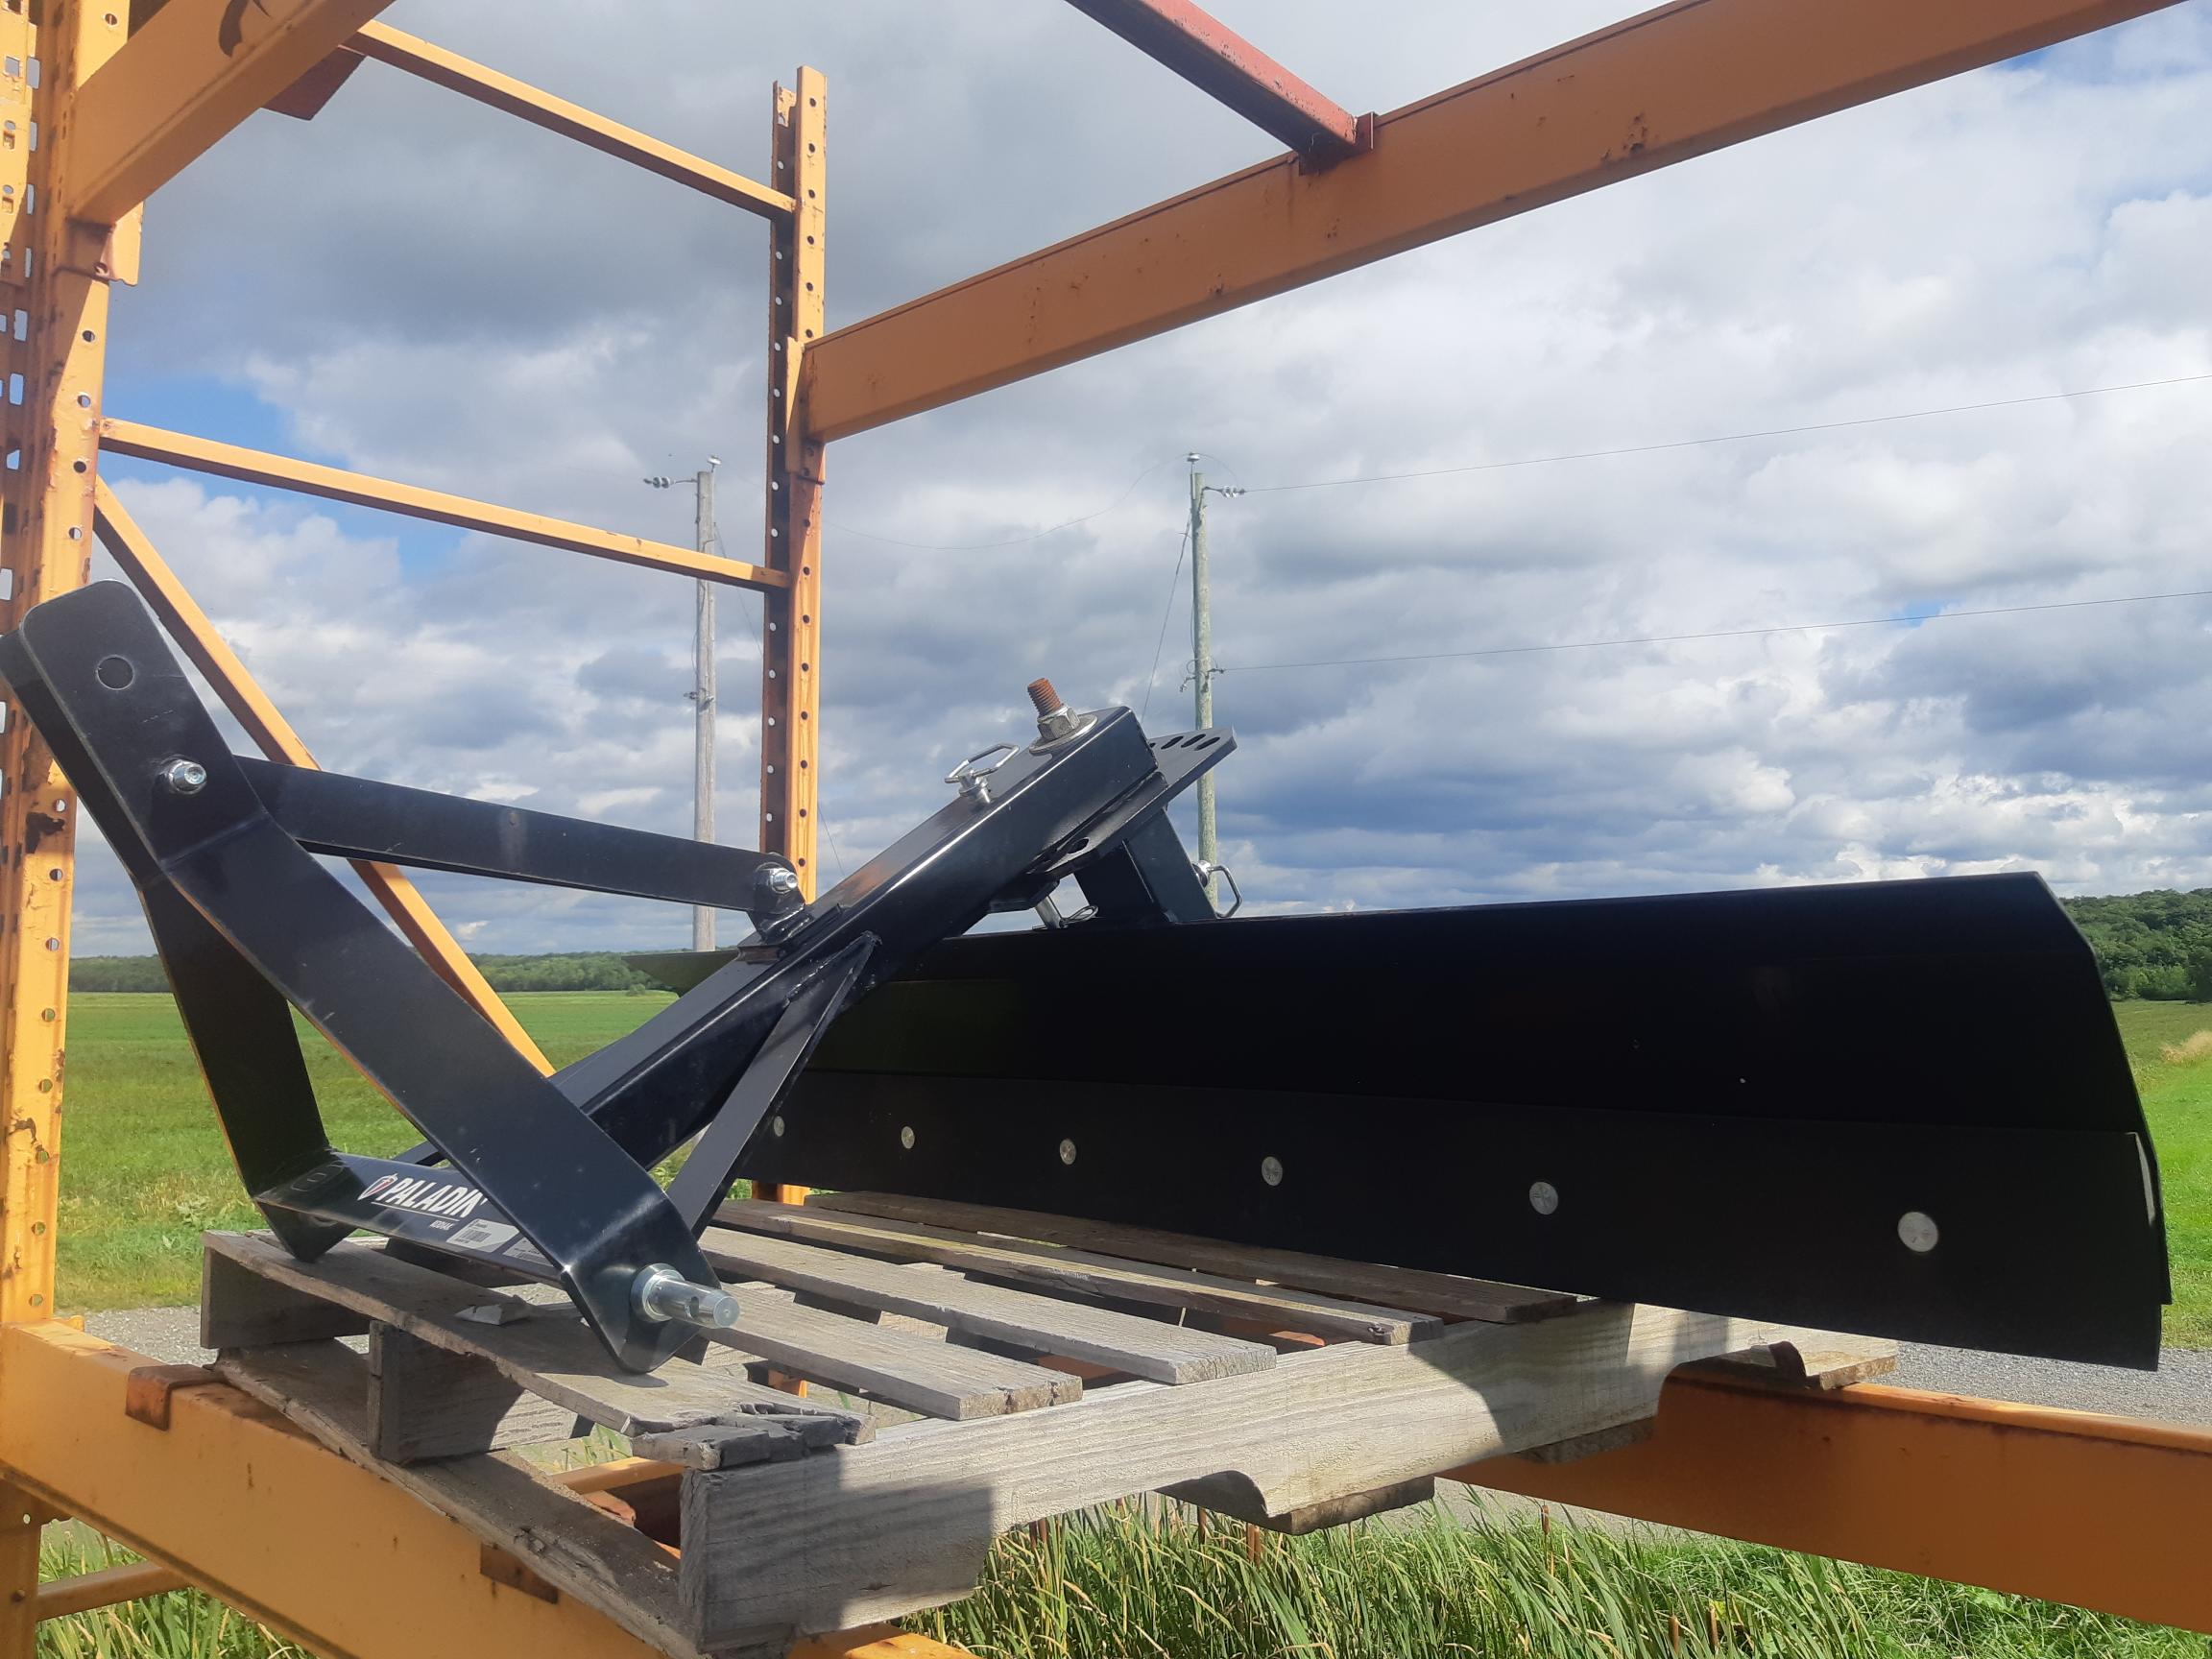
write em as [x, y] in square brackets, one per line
[196, 636]
[1230, 69]
[1661, 88]
[258, 466]
[2102, 1512]
[193, 72]
[510, 96]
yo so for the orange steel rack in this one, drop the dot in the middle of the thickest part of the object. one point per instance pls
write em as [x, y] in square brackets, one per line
[102, 100]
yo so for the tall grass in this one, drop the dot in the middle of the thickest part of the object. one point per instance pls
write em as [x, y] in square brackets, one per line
[1147, 1578]
[1152, 1580]
[182, 1625]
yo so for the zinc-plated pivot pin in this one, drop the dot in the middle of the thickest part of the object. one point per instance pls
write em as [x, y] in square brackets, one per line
[182, 777]
[659, 1293]
[782, 879]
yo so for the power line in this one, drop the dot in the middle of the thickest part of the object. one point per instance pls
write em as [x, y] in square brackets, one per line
[1167, 611]
[1013, 540]
[1726, 436]
[1530, 460]
[1718, 633]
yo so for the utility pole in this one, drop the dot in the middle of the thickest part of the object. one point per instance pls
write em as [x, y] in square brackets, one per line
[703, 709]
[701, 688]
[1202, 663]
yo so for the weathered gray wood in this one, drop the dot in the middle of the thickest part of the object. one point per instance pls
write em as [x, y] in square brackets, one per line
[240, 1309]
[551, 1354]
[576, 1547]
[1075, 1273]
[734, 1445]
[1142, 1347]
[1234, 1496]
[1581, 1446]
[1847, 1360]
[427, 1401]
[873, 1533]
[898, 1366]
[1408, 1287]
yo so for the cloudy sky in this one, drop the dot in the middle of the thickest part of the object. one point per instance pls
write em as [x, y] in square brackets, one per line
[419, 288]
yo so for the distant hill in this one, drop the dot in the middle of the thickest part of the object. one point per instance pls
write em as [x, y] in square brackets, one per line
[2157, 946]
[560, 970]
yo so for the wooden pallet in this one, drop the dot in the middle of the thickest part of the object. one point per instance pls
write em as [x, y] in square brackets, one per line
[970, 1369]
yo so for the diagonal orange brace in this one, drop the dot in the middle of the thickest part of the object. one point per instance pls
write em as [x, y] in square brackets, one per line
[195, 634]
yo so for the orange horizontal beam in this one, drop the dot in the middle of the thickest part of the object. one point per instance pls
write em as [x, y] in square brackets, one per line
[195, 71]
[2101, 1512]
[1643, 94]
[511, 97]
[258, 466]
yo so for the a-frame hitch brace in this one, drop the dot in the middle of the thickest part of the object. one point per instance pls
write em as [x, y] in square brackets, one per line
[548, 1177]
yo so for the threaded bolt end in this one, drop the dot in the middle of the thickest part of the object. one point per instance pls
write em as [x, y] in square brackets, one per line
[1044, 698]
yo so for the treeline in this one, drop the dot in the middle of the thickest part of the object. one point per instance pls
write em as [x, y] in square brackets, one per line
[2152, 945]
[562, 971]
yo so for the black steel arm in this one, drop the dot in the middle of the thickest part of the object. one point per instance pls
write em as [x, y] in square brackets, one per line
[361, 818]
[549, 1176]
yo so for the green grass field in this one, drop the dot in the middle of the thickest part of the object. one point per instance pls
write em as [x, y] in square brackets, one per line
[144, 1170]
[143, 1165]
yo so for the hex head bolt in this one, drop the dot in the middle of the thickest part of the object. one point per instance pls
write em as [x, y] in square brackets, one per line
[182, 777]
[1055, 720]
[661, 1294]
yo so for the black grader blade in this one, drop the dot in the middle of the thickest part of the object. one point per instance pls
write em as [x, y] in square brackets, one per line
[1895, 1108]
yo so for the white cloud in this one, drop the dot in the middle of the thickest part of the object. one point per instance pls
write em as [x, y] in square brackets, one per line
[429, 291]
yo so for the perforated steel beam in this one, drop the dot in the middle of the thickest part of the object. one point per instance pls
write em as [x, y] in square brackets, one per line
[1643, 94]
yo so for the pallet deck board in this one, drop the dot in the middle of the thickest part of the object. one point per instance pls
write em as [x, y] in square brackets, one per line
[886, 1530]
[1415, 1289]
[796, 1520]
[1147, 1347]
[896, 1366]
[1081, 1273]
[551, 1353]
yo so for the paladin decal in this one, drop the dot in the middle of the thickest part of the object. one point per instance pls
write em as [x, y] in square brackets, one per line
[423, 1195]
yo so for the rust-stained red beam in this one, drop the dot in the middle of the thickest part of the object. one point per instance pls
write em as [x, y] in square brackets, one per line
[1230, 69]
[1643, 94]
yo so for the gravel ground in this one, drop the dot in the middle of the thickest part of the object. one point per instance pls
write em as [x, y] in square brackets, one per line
[168, 1334]
[2179, 1391]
